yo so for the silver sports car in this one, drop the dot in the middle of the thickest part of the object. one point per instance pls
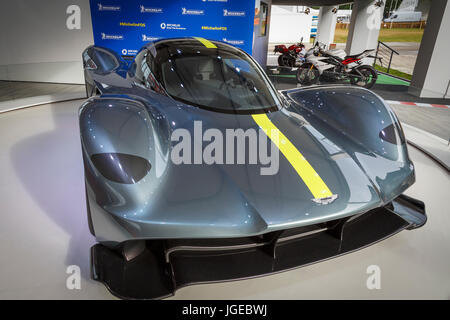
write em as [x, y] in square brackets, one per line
[329, 180]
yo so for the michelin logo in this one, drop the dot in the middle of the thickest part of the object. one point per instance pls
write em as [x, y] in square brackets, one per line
[215, 0]
[227, 13]
[129, 52]
[150, 10]
[111, 36]
[233, 42]
[107, 7]
[185, 11]
[149, 38]
[171, 26]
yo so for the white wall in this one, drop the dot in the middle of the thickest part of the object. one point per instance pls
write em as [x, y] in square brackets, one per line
[36, 44]
[288, 26]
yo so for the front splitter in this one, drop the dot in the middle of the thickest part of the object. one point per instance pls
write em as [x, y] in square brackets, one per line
[162, 268]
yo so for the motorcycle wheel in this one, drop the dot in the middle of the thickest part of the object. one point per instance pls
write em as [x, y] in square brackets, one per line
[370, 77]
[286, 61]
[306, 75]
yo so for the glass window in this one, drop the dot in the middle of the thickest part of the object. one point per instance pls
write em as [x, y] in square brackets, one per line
[222, 79]
[142, 71]
[135, 69]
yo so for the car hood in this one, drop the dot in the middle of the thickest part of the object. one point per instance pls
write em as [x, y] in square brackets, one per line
[225, 200]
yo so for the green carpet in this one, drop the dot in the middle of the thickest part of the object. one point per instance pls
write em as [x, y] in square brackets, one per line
[385, 79]
[382, 79]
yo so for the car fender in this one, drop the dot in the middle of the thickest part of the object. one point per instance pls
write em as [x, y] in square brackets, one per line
[114, 130]
[365, 126]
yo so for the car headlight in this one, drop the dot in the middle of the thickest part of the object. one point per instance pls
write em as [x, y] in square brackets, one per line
[121, 167]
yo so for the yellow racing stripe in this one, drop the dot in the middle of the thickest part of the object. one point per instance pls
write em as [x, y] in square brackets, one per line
[311, 178]
[206, 43]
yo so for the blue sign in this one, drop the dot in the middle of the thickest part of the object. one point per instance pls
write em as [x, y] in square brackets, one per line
[126, 25]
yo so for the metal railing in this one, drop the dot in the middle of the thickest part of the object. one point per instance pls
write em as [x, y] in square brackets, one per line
[384, 53]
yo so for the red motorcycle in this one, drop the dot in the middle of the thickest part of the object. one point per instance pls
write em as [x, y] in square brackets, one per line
[290, 55]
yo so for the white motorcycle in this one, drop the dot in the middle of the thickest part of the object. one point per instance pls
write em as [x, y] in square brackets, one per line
[336, 65]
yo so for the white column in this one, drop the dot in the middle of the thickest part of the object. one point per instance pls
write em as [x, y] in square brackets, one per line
[327, 25]
[364, 26]
[431, 76]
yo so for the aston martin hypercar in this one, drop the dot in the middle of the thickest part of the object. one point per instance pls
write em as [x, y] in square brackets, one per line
[198, 170]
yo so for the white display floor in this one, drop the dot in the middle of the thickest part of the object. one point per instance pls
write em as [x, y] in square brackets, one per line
[44, 228]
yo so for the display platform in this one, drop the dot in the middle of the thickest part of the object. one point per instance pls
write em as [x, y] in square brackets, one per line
[44, 228]
[18, 95]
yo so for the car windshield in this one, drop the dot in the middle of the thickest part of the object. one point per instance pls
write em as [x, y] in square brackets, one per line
[222, 78]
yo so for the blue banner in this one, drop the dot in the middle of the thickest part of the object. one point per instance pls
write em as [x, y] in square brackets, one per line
[126, 25]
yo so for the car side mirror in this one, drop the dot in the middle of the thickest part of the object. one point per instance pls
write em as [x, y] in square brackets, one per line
[101, 60]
